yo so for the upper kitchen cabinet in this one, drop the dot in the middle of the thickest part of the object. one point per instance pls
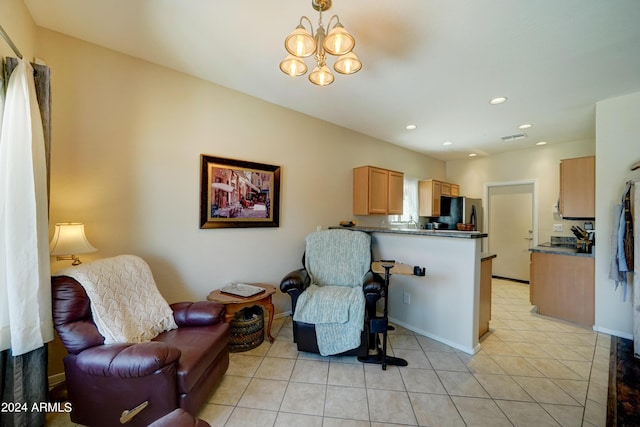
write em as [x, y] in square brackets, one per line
[449, 190]
[377, 191]
[429, 193]
[578, 188]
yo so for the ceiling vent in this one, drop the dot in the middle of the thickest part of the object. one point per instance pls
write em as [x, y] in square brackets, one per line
[514, 137]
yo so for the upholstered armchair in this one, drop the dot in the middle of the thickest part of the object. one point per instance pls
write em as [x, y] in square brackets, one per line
[175, 363]
[335, 294]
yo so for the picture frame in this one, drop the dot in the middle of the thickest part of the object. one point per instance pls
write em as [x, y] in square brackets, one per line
[238, 193]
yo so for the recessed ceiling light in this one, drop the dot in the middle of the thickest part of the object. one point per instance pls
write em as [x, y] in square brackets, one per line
[472, 155]
[410, 127]
[447, 143]
[497, 100]
[525, 126]
[541, 143]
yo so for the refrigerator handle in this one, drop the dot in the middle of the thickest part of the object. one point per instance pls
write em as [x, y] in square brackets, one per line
[473, 219]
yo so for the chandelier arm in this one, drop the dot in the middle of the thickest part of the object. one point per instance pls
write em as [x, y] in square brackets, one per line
[331, 19]
[309, 21]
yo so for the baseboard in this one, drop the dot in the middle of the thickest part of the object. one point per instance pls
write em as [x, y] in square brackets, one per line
[526, 282]
[607, 331]
[56, 379]
[468, 350]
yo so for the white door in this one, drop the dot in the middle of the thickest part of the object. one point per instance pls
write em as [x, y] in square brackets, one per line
[510, 229]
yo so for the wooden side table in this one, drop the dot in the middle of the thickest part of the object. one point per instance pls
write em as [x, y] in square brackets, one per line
[234, 304]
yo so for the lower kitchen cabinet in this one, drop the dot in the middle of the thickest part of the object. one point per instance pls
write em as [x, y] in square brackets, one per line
[563, 286]
[486, 266]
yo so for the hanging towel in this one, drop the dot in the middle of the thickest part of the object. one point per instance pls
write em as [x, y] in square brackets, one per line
[628, 231]
[614, 272]
[622, 242]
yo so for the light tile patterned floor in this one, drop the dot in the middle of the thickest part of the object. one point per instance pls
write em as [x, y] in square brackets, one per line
[531, 371]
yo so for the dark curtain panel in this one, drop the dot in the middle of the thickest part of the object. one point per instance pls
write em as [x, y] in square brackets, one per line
[24, 378]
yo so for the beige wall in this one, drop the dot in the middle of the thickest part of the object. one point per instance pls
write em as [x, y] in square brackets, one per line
[125, 161]
[540, 164]
[18, 24]
[617, 148]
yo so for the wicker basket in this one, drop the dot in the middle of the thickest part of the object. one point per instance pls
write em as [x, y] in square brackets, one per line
[247, 329]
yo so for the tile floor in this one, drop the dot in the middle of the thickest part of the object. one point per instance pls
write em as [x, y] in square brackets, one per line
[531, 371]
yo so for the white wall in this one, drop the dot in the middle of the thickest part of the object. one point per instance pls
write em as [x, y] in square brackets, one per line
[617, 148]
[541, 163]
[127, 139]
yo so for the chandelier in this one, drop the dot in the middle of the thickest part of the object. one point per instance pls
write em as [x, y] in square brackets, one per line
[338, 42]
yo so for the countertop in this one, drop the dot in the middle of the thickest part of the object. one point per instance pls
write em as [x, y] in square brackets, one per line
[560, 250]
[419, 232]
[486, 256]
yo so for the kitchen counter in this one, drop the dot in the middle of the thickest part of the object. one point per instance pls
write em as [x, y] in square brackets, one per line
[420, 232]
[445, 303]
[560, 250]
[485, 256]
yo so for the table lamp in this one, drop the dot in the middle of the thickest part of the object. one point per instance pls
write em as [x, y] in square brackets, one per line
[69, 241]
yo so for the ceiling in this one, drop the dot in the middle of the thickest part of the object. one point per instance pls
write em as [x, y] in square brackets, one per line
[431, 63]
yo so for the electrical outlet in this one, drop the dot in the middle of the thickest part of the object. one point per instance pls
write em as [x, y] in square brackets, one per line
[557, 227]
[406, 298]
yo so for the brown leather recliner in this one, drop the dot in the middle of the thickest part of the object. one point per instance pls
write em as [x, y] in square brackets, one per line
[145, 381]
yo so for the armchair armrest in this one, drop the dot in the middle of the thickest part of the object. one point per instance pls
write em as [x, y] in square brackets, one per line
[126, 360]
[373, 284]
[200, 313]
[297, 280]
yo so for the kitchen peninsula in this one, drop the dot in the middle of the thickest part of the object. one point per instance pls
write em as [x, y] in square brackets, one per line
[445, 303]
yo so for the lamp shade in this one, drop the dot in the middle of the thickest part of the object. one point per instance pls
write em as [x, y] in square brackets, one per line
[348, 64]
[338, 41]
[321, 76]
[293, 66]
[300, 43]
[69, 239]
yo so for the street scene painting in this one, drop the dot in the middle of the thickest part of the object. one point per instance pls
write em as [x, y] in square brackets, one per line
[238, 193]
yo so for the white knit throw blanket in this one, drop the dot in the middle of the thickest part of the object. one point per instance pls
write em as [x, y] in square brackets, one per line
[125, 301]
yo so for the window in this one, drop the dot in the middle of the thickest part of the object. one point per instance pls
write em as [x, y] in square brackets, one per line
[409, 203]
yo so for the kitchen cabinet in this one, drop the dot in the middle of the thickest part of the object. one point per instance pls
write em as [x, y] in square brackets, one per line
[445, 189]
[578, 188]
[486, 266]
[563, 286]
[377, 191]
[429, 193]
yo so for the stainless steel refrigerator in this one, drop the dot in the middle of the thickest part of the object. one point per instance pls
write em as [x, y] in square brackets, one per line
[461, 210]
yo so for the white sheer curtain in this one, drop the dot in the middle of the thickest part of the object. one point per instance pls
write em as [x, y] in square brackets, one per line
[409, 203]
[25, 287]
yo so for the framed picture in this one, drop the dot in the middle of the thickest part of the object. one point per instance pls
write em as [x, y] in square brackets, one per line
[238, 193]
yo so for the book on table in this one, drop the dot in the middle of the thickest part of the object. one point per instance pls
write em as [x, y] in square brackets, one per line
[242, 290]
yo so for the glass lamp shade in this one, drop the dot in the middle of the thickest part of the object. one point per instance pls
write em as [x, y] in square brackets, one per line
[321, 76]
[293, 66]
[300, 43]
[69, 239]
[338, 41]
[348, 64]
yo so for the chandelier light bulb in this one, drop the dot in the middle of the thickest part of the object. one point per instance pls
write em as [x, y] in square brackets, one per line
[348, 64]
[293, 66]
[338, 41]
[321, 75]
[300, 43]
